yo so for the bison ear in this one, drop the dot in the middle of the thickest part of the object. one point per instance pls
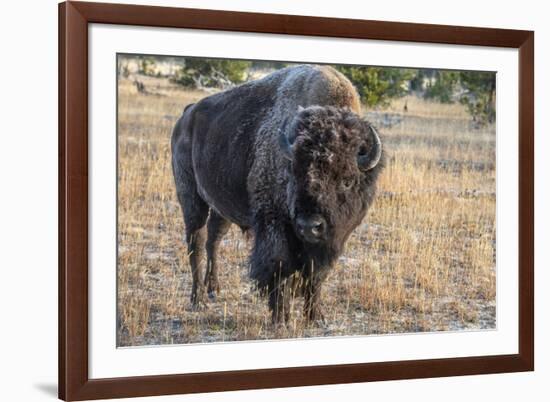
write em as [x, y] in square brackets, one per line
[284, 143]
[368, 160]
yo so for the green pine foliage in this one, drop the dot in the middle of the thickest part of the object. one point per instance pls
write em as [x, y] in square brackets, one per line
[443, 87]
[378, 85]
[480, 95]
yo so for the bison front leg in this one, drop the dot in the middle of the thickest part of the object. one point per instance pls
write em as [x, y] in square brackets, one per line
[279, 300]
[313, 281]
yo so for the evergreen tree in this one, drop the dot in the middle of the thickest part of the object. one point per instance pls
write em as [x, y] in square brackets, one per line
[377, 85]
[443, 87]
[480, 96]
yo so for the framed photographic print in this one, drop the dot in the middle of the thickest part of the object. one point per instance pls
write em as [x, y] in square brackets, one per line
[260, 200]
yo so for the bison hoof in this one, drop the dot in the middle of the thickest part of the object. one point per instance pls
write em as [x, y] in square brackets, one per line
[200, 306]
[280, 319]
[199, 301]
[212, 295]
[316, 318]
[213, 288]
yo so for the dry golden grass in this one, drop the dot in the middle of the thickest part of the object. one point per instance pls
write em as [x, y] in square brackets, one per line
[423, 260]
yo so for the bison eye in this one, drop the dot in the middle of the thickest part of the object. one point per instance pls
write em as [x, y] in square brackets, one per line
[347, 184]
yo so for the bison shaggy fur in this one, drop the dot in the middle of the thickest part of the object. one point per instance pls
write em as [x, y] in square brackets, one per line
[289, 159]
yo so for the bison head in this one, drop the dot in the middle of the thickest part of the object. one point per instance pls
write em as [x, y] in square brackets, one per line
[334, 162]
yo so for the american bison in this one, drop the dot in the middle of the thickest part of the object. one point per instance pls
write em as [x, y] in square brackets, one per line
[287, 157]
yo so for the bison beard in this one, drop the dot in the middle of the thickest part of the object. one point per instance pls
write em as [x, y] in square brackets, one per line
[287, 157]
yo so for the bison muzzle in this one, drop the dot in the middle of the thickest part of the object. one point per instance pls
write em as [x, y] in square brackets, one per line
[287, 157]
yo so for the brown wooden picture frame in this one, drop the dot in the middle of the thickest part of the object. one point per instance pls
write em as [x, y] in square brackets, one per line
[74, 381]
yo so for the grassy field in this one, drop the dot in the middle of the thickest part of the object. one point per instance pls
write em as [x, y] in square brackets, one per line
[423, 260]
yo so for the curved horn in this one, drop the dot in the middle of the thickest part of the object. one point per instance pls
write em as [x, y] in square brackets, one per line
[284, 143]
[371, 159]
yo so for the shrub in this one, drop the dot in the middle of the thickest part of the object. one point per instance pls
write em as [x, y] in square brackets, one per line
[211, 73]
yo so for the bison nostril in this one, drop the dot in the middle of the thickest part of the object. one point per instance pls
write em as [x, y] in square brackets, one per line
[317, 228]
[311, 227]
